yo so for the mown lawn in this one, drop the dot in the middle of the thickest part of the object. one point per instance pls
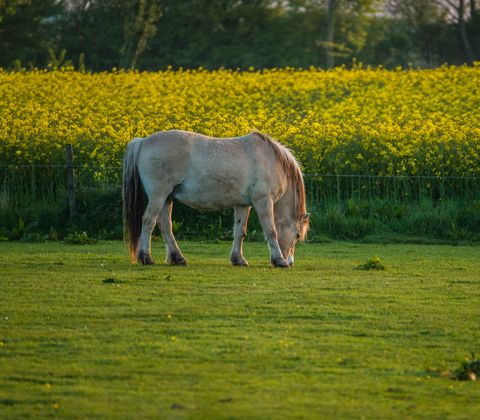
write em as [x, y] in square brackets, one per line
[84, 333]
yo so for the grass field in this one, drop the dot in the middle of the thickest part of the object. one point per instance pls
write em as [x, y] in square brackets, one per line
[84, 333]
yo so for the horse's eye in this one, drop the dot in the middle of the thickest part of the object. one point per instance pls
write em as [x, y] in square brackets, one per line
[297, 235]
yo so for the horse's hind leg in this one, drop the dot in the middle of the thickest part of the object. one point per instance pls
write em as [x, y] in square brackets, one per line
[264, 209]
[149, 218]
[239, 232]
[174, 255]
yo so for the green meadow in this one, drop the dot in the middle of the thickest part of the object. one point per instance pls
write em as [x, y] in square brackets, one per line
[86, 334]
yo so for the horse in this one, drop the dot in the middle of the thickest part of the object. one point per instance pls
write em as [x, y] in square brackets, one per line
[210, 173]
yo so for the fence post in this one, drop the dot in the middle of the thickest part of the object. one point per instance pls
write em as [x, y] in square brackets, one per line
[33, 184]
[70, 181]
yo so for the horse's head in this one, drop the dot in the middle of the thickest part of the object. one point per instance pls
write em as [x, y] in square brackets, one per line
[289, 233]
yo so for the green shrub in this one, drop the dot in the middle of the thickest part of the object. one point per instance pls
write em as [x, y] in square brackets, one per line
[32, 237]
[469, 370]
[79, 239]
[372, 263]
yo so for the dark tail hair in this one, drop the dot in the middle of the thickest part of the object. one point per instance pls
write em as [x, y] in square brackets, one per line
[133, 198]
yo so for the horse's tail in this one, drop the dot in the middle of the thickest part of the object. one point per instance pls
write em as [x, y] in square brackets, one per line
[133, 197]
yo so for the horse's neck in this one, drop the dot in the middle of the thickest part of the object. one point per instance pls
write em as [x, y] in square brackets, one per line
[285, 207]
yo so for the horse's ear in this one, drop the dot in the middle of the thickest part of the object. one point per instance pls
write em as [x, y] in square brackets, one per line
[304, 218]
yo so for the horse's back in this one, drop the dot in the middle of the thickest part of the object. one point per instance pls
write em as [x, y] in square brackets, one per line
[200, 153]
[207, 172]
[167, 144]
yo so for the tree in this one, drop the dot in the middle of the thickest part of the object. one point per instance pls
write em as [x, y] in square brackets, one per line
[140, 27]
[346, 23]
[215, 33]
[442, 30]
[27, 29]
[9, 7]
[459, 13]
[152, 34]
[330, 31]
[417, 33]
[94, 28]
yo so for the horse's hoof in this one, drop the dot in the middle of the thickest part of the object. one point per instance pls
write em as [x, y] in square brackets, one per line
[280, 262]
[238, 261]
[177, 259]
[144, 258]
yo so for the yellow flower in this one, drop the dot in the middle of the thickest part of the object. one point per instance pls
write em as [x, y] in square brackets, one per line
[403, 120]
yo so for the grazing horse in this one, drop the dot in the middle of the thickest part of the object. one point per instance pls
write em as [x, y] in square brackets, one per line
[210, 173]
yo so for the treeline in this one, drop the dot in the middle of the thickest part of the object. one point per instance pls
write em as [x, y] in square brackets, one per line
[154, 34]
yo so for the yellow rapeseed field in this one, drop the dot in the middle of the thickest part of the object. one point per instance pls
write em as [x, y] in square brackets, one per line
[349, 121]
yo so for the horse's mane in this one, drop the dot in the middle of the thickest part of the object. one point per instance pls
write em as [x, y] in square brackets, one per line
[293, 173]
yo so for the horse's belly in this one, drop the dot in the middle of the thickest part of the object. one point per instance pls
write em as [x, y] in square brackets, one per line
[211, 197]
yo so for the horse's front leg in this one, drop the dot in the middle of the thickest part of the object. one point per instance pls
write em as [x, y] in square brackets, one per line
[241, 214]
[174, 255]
[264, 209]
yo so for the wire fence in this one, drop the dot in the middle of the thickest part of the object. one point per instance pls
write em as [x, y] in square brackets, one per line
[20, 184]
[321, 187]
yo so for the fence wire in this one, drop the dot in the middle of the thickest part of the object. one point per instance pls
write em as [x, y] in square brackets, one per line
[20, 184]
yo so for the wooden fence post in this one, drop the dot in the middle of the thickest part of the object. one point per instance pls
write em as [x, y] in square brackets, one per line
[70, 181]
